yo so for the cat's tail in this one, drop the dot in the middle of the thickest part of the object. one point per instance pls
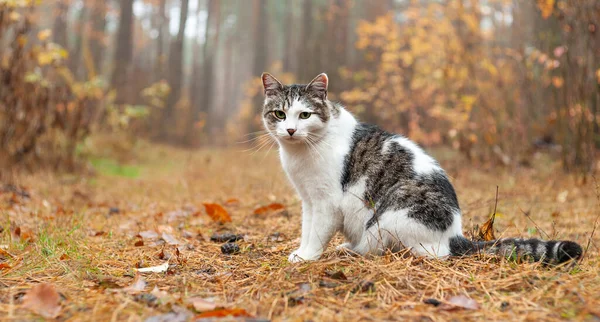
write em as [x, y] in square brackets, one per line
[551, 252]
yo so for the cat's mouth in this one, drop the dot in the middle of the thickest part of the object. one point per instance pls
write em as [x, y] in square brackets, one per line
[292, 139]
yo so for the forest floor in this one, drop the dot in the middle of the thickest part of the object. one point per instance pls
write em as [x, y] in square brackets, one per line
[86, 236]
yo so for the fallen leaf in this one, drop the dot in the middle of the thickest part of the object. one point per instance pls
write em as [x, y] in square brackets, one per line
[486, 231]
[6, 254]
[148, 234]
[94, 233]
[562, 196]
[64, 257]
[201, 305]
[138, 285]
[232, 201]
[337, 275]
[460, 302]
[217, 213]
[139, 243]
[223, 313]
[274, 207]
[43, 299]
[154, 269]
[4, 266]
[170, 239]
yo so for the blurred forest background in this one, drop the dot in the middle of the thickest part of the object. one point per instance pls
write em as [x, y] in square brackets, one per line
[497, 80]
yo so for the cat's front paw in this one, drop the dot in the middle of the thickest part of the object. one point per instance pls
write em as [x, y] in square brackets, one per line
[300, 256]
[344, 247]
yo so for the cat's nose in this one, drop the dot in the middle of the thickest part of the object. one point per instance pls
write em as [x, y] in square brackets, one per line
[291, 131]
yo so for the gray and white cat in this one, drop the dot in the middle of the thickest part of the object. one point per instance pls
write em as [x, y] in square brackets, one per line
[381, 190]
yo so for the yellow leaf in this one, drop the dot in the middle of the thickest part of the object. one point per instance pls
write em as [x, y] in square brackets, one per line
[546, 6]
[22, 40]
[14, 16]
[44, 34]
[44, 58]
[598, 75]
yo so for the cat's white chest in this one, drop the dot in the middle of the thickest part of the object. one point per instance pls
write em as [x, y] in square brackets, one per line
[316, 175]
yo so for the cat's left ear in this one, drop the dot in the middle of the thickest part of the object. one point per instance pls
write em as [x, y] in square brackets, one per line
[319, 85]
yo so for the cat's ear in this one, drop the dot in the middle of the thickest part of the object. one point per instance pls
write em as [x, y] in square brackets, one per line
[319, 85]
[270, 83]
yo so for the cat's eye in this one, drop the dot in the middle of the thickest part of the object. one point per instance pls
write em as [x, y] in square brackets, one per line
[279, 114]
[305, 115]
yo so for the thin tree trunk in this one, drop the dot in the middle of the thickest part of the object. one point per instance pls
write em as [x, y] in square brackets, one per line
[59, 30]
[98, 36]
[159, 72]
[124, 52]
[176, 69]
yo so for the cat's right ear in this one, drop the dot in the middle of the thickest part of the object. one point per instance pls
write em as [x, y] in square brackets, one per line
[270, 83]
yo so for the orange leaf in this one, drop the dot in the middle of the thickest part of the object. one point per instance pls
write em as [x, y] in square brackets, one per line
[486, 232]
[269, 209]
[232, 201]
[222, 313]
[43, 299]
[4, 266]
[217, 213]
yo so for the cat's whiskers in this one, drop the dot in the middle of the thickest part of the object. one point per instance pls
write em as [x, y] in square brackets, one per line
[254, 138]
[268, 139]
[312, 146]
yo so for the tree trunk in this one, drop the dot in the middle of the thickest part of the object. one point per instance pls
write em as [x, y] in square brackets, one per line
[304, 47]
[289, 30]
[76, 48]
[98, 36]
[260, 51]
[176, 69]
[59, 30]
[123, 53]
[159, 72]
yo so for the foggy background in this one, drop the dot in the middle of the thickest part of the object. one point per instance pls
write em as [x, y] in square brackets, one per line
[497, 80]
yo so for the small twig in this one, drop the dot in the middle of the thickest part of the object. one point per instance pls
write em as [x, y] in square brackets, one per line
[587, 247]
[528, 216]
[495, 205]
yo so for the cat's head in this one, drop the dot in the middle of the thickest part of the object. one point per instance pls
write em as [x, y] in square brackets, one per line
[295, 114]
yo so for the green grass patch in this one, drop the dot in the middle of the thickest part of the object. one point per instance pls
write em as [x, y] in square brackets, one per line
[110, 167]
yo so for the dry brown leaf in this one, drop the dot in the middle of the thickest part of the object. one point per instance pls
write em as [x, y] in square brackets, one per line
[170, 239]
[138, 285]
[274, 207]
[486, 231]
[43, 299]
[217, 213]
[201, 305]
[148, 234]
[222, 313]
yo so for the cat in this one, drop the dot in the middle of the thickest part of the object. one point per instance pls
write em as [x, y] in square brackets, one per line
[381, 190]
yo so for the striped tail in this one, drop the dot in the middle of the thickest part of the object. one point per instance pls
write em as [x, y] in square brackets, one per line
[552, 252]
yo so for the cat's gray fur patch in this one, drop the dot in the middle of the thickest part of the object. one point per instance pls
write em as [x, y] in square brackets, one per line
[392, 183]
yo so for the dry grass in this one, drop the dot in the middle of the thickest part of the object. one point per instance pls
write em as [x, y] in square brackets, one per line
[64, 211]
